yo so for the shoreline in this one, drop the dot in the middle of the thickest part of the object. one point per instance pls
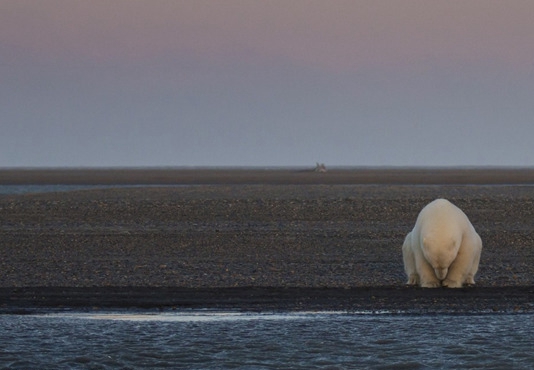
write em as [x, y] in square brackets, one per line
[391, 300]
[244, 176]
[266, 246]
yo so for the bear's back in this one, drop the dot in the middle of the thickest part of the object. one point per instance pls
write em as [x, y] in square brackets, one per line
[442, 217]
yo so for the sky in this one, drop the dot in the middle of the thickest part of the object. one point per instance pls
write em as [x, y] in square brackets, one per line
[267, 83]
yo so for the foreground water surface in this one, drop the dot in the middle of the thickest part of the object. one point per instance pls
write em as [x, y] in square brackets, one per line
[230, 340]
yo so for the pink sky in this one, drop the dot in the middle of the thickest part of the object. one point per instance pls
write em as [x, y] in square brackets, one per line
[364, 66]
[335, 35]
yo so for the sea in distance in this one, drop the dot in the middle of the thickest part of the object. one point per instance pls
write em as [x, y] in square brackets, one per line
[26, 189]
[237, 340]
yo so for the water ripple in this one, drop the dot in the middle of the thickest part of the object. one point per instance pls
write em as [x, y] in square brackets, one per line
[263, 341]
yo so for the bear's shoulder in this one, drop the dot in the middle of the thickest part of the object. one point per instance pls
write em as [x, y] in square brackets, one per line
[441, 205]
[440, 202]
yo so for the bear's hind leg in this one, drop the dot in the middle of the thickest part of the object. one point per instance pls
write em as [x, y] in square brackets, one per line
[413, 279]
[470, 280]
[474, 268]
[409, 261]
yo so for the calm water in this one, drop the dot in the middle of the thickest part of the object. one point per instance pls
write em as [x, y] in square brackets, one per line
[25, 189]
[216, 340]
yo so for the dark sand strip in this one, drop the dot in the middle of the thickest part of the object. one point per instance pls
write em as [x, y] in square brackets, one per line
[371, 299]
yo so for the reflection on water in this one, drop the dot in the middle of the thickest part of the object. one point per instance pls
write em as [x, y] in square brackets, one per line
[192, 316]
[324, 340]
[24, 189]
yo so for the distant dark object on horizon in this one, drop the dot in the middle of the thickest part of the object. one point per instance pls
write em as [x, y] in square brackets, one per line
[320, 167]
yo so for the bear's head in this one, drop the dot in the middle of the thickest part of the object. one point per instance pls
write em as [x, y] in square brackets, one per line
[440, 253]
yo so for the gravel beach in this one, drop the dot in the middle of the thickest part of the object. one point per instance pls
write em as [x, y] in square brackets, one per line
[284, 244]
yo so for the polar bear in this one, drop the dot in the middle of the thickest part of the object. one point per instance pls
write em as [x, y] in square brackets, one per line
[443, 249]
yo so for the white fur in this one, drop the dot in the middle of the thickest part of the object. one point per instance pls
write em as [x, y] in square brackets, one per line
[443, 249]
